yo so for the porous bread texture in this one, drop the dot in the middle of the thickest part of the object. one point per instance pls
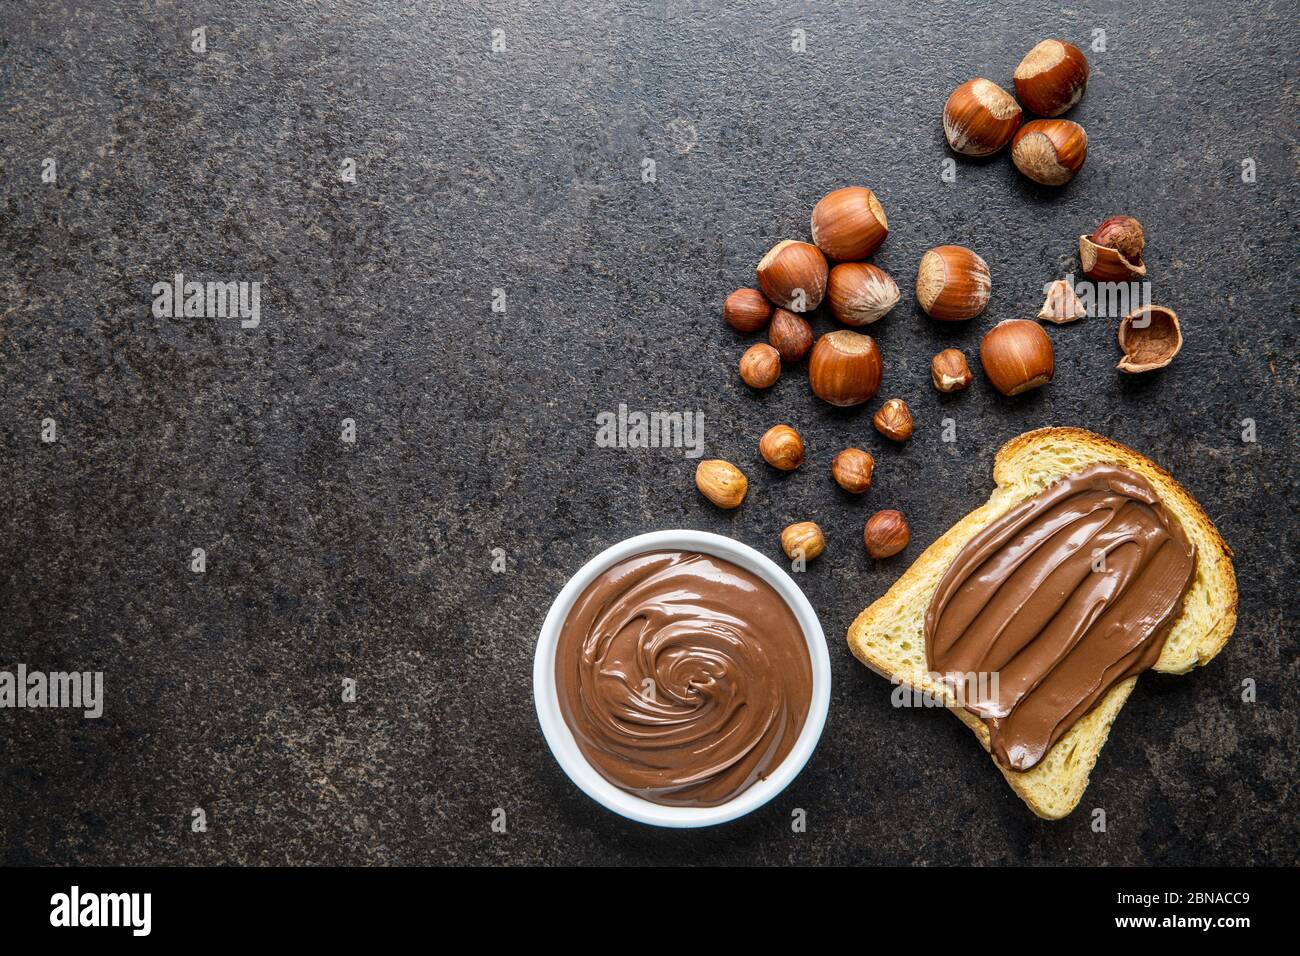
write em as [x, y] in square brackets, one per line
[889, 636]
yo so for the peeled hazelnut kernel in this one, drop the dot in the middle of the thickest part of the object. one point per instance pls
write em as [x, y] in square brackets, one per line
[845, 368]
[893, 420]
[781, 447]
[860, 293]
[1123, 234]
[1150, 337]
[1061, 304]
[793, 275]
[852, 470]
[1050, 151]
[790, 334]
[980, 118]
[760, 366]
[721, 482]
[803, 540]
[746, 310]
[949, 371]
[849, 224]
[1017, 356]
[886, 534]
[1051, 78]
[953, 283]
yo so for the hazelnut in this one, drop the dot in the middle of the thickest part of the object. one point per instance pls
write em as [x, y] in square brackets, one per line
[1017, 356]
[893, 420]
[1114, 252]
[1051, 78]
[1104, 264]
[781, 447]
[1061, 304]
[849, 224]
[760, 366]
[803, 540]
[886, 534]
[1123, 234]
[953, 283]
[845, 368]
[793, 275]
[852, 470]
[790, 334]
[1150, 337]
[980, 118]
[721, 482]
[860, 293]
[949, 371]
[746, 310]
[1050, 151]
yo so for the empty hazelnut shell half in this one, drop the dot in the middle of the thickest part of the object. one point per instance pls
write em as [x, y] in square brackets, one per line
[1150, 338]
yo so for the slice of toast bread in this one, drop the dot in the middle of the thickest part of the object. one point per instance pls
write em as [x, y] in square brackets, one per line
[889, 636]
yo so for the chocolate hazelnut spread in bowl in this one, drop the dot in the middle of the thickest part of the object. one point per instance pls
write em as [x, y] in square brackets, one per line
[681, 679]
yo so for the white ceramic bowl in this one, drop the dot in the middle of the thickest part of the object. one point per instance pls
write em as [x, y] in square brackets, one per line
[560, 738]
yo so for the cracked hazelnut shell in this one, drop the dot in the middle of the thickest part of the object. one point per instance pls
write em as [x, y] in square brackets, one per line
[1150, 337]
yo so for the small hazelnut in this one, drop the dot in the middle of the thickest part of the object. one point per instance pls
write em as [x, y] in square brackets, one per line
[760, 366]
[1123, 234]
[1150, 337]
[893, 420]
[980, 118]
[953, 283]
[860, 293]
[852, 470]
[886, 534]
[1017, 356]
[849, 224]
[1061, 304]
[721, 482]
[845, 368]
[781, 447]
[793, 275]
[1050, 151]
[1051, 78]
[949, 371]
[803, 540]
[790, 334]
[746, 310]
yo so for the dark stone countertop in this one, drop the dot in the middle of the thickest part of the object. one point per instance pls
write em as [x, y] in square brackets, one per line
[522, 171]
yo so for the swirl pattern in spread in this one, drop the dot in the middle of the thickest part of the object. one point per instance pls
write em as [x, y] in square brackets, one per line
[684, 678]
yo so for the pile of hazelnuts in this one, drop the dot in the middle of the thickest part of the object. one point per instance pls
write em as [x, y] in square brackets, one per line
[953, 284]
[981, 117]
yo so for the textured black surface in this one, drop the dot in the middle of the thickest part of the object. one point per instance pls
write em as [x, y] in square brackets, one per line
[523, 171]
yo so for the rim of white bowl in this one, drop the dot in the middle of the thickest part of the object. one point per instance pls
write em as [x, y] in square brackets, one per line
[560, 738]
